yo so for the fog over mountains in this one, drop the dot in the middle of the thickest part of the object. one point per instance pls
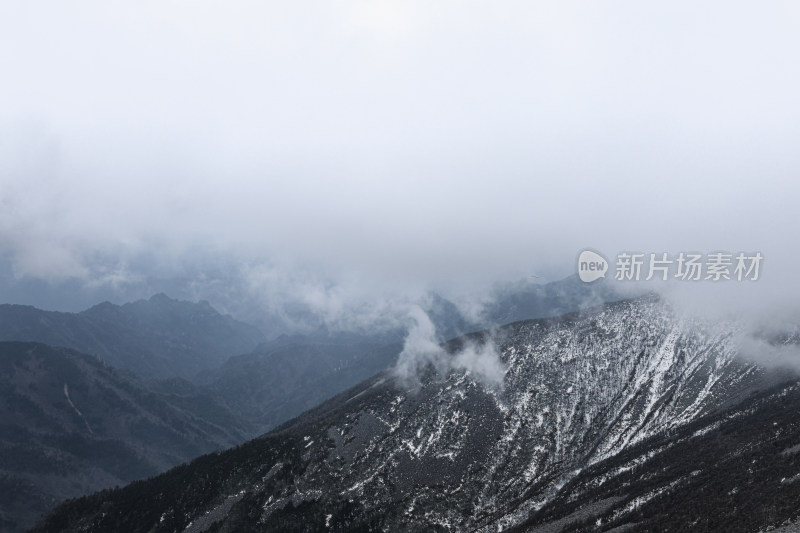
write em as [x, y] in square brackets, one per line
[313, 266]
[384, 150]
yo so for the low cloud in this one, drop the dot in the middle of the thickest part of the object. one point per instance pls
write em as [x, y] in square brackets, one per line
[768, 354]
[422, 350]
[346, 163]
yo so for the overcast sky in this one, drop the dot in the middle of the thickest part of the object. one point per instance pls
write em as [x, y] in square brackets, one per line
[375, 143]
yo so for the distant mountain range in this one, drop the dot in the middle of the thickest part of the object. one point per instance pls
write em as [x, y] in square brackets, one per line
[71, 424]
[159, 337]
[627, 417]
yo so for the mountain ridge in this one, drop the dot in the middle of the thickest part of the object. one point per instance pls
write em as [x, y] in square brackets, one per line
[456, 454]
[159, 337]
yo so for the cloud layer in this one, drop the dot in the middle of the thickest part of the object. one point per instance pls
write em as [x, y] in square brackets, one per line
[399, 145]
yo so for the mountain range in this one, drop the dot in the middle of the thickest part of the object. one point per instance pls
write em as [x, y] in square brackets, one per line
[601, 419]
[71, 425]
[74, 422]
[158, 338]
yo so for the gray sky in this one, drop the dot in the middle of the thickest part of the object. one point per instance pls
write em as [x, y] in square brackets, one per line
[368, 145]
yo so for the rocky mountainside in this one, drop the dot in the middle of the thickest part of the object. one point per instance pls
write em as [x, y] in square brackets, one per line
[501, 427]
[70, 425]
[159, 337]
[736, 471]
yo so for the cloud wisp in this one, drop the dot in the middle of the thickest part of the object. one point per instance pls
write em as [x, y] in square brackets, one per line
[422, 351]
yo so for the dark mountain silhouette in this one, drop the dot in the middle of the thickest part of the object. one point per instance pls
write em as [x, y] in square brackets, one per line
[159, 337]
[72, 425]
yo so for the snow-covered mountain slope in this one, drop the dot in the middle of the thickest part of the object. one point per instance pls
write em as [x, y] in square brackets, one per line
[456, 453]
[734, 471]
